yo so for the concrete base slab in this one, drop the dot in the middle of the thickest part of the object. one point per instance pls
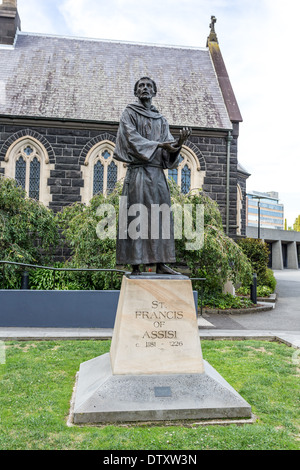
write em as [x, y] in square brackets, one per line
[101, 397]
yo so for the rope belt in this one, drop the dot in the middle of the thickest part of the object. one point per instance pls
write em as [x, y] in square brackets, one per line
[141, 165]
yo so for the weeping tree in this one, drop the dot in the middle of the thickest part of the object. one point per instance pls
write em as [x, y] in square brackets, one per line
[28, 231]
[218, 258]
[212, 254]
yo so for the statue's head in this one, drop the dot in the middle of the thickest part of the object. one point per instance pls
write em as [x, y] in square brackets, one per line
[143, 82]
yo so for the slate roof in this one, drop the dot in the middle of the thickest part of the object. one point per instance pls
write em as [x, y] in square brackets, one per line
[89, 79]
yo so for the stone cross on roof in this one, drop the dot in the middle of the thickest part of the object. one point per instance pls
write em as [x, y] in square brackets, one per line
[212, 24]
[212, 36]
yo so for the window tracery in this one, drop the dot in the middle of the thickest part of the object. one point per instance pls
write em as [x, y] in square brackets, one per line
[27, 161]
[100, 171]
[188, 176]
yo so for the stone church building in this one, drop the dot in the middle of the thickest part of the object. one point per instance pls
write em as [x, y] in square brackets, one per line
[61, 99]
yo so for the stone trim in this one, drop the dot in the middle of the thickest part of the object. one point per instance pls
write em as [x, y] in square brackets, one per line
[198, 154]
[92, 143]
[88, 166]
[29, 133]
[12, 148]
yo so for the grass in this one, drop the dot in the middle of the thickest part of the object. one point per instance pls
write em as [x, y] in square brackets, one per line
[37, 379]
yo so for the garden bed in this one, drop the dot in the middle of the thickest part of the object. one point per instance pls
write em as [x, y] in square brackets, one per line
[230, 311]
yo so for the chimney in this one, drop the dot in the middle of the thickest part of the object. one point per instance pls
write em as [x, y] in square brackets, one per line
[9, 22]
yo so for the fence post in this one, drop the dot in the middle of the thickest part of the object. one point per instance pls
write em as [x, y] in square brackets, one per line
[253, 289]
[25, 280]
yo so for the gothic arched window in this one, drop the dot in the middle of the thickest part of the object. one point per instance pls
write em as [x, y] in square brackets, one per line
[100, 171]
[188, 175]
[27, 161]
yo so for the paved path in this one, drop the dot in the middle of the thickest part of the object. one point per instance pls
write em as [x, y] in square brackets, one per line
[281, 323]
[284, 317]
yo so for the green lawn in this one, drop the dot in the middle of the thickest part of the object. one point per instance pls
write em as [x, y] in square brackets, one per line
[37, 379]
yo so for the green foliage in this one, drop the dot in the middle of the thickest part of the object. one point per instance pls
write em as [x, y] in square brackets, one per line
[79, 225]
[226, 301]
[270, 280]
[220, 258]
[46, 279]
[257, 252]
[262, 291]
[28, 231]
[296, 225]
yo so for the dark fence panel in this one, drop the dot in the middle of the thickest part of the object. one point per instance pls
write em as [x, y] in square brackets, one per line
[58, 309]
[62, 308]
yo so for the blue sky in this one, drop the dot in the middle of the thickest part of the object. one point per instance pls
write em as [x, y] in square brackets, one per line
[258, 40]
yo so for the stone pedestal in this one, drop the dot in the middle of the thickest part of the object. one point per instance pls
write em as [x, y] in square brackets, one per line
[156, 329]
[155, 370]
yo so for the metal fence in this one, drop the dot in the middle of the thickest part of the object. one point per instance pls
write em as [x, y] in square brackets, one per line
[25, 275]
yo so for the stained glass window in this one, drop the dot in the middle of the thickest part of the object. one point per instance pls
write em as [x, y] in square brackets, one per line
[112, 174]
[105, 154]
[28, 150]
[98, 178]
[101, 170]
[21, 172]
[34, 179]
[173, 174]
[27, 162]
[185, 179]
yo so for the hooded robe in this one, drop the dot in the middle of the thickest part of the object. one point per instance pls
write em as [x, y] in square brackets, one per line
[139, 133]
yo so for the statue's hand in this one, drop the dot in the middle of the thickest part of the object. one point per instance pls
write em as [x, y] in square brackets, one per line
[170, 147]
[174, 146]
[184, 135]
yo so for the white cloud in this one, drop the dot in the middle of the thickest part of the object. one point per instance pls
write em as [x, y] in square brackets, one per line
[41, 17]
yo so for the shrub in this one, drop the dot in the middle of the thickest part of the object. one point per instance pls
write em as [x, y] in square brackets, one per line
[28, 232]
[220, 258]
[264, 291]
[226, 301]
[270, 280]
[48, 279]
[78, 223]
[257, 252]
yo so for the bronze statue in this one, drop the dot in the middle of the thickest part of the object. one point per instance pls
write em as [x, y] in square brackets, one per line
[144, 142]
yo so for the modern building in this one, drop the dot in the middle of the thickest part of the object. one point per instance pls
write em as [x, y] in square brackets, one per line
[61, 99]
[284, 246]
[264, 210]
[265, 220]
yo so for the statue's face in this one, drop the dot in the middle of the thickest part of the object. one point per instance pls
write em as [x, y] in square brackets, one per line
[145, 89]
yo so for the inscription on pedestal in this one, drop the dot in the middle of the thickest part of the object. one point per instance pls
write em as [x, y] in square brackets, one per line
[156, 329]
